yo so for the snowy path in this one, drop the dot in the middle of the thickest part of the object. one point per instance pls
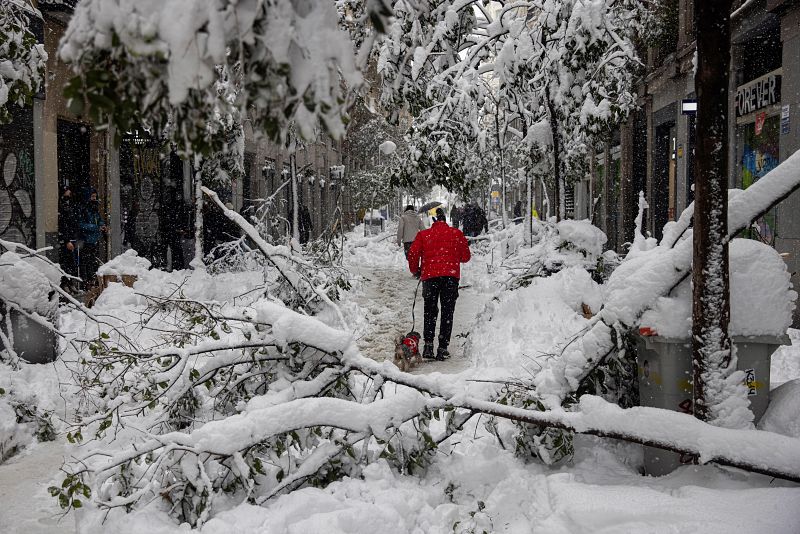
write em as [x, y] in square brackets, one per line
[25, 505]
[386, 295]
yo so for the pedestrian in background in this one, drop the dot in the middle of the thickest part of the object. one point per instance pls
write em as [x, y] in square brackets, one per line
[518, 212]
[455, 216]
[410, 224]
[68, 218]
[474, 220]
[92, 226]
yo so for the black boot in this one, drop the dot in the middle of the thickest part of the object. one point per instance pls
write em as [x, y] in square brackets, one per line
[442, 353]
[427, 352]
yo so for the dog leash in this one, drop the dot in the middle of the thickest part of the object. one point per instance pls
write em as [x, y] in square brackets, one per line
[413, 305]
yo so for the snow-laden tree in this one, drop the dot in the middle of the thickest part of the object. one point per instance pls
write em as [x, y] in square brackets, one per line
[571, 63]
[157, 62]
[370, 177]
[22, 58]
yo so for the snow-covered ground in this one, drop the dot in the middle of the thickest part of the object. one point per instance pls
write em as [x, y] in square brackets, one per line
[476, 484]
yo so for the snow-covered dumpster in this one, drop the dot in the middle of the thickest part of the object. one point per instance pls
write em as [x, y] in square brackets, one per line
[28, 307]
[374, 223]
[762, 302]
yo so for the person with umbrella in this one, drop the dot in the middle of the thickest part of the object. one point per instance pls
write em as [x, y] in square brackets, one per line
[437, 253]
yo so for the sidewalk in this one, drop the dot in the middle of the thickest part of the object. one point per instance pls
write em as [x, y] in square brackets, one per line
[25, 505]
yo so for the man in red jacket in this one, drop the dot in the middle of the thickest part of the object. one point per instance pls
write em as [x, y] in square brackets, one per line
[438, 252]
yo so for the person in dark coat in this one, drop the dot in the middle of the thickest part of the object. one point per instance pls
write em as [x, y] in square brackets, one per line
[305, 224]
[518, 212]
[474, 220]
[68, 218]
[455, 216]
[92, 226]
[438, 253]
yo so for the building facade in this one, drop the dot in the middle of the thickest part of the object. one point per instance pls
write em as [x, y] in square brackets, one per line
[656, 145]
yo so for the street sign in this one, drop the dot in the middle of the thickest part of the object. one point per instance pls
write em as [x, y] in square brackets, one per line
[785, 109]
[689, 106]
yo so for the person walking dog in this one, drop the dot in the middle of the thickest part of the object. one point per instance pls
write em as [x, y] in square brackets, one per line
[438, 253]
[410, 224]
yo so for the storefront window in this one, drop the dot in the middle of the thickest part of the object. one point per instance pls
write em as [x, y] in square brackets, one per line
[760, 154]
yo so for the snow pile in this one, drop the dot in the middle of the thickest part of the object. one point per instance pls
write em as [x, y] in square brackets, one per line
[127, 263]
[762, 299]
[582, 235]
[13, 435]
[25, 283]
[782, 413]
[29, 394]
[530, 325]
[785, 363]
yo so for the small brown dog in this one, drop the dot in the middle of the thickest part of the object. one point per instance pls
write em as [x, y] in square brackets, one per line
[406, 351]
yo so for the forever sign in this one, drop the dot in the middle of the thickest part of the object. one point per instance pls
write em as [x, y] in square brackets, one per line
[758, 94]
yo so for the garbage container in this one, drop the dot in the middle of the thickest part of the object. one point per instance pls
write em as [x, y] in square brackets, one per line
[32, 342]
[665, 381]
[375, 224]
[27, 299]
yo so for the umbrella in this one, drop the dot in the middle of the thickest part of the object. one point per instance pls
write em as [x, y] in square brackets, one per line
[429, 206]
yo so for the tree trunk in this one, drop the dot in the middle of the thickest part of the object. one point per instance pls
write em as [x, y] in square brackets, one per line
[711, 345]
[197, 261]
[557, 178]
[608, 187]
[529, 213]
[546, 200]
[295, 197]
[592, 179]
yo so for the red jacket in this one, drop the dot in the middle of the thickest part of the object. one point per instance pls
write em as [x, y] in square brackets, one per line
[441, 249]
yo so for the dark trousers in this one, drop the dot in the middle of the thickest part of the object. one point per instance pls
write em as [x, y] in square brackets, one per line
[89, 262]
[444, 290]
[407, 247]
[66, 258]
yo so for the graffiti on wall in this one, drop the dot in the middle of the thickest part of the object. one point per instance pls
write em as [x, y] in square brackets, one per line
[141, 167]
[760, 154]
[17, 179]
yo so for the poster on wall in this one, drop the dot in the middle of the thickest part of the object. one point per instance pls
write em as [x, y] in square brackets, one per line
[785, 129]
[760, 154]
[17, 179]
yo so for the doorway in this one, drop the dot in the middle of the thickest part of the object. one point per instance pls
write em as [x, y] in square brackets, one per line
[73, 157]
[663, 186]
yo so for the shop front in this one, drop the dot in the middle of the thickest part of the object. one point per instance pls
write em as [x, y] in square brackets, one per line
[758, 140]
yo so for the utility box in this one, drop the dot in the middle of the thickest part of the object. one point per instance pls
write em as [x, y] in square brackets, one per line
[665, 381]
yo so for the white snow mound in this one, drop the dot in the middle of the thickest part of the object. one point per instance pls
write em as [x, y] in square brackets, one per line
[760, 282]
[128, 263]
[583, 235]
